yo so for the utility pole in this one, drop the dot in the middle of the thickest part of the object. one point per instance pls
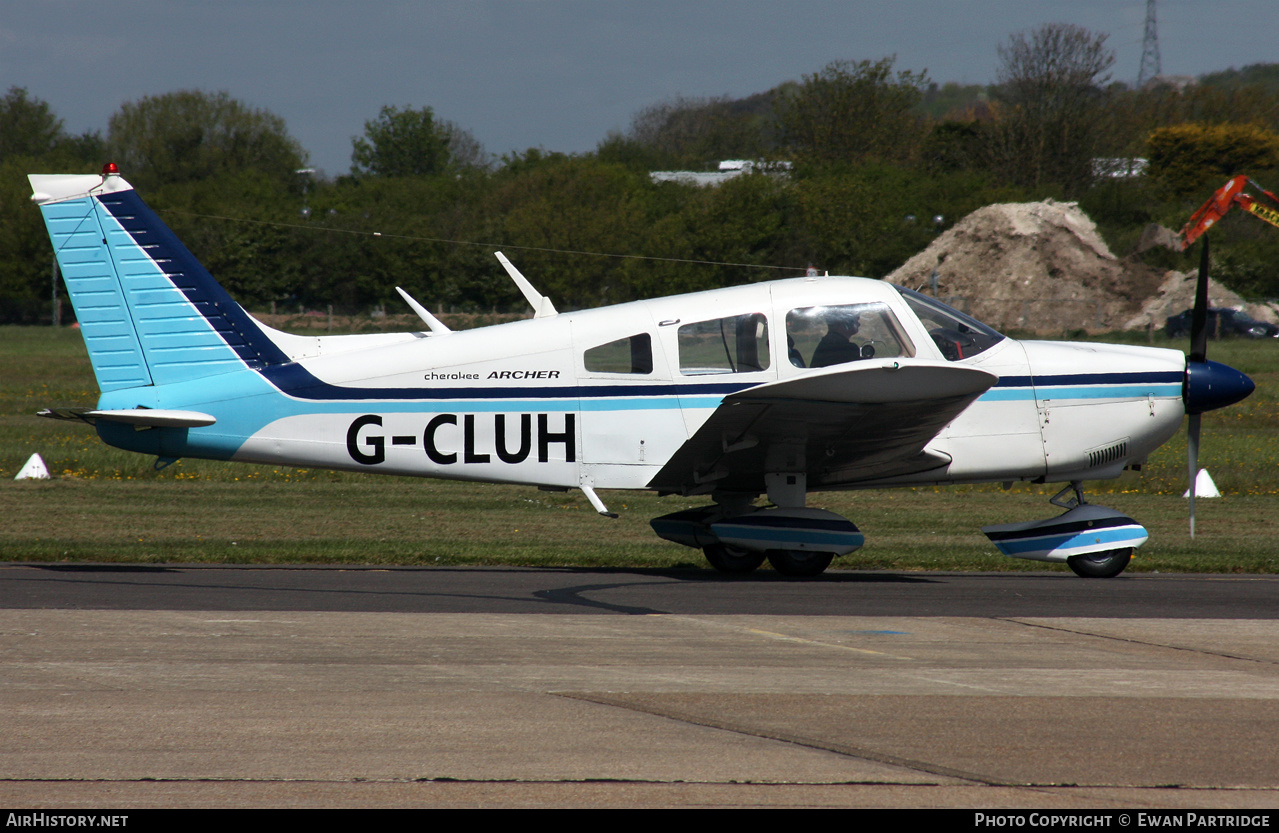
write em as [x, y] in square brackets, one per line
[1149, 49]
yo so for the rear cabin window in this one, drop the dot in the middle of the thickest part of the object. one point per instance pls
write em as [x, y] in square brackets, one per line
[737, 344]
[626, 355]
[823, 336]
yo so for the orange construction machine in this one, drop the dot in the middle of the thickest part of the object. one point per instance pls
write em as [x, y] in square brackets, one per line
[1225, 198]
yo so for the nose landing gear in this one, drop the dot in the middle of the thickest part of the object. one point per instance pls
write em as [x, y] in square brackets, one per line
[1094, 541]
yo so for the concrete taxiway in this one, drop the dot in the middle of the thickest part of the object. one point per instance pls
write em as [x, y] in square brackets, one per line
[350, 708]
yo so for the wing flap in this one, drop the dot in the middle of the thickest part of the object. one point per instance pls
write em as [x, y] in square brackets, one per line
[840, 425]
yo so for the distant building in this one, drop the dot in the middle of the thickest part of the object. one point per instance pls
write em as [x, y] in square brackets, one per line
[1118, 167]
[728, 169]
[1177, 82]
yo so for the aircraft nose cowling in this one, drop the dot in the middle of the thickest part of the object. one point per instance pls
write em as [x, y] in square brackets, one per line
[1212, 385]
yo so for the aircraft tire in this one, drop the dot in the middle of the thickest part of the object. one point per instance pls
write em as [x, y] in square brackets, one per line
[800, 563]
[1106, 564]
[732, 560]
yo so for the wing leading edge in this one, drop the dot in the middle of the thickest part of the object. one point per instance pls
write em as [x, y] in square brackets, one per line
[842, 425]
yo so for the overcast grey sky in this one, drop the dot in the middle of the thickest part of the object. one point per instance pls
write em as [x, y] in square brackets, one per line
[557, 74]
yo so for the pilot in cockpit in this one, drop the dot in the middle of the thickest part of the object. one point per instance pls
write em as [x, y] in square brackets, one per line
[836, 347]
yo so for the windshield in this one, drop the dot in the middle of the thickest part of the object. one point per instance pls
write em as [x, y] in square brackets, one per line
[956, 335]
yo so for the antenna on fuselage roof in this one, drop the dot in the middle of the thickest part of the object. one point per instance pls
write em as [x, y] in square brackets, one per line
[436, 325]
[542, 306]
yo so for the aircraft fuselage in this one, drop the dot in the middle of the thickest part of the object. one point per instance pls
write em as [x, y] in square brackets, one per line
[531, 402]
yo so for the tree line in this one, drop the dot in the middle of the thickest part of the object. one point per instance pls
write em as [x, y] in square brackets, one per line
[877, 161]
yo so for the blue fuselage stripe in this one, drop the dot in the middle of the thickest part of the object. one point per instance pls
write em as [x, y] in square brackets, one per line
[1153, 376]
[483, 406]
[1044, 392]
[295, 381]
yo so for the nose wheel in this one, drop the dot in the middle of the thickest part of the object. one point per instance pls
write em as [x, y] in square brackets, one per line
[1106, 564]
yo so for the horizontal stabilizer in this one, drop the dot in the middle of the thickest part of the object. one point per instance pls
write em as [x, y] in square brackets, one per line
[143, 417]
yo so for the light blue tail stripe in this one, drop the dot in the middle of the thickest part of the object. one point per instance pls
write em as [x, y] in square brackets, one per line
[88, 271]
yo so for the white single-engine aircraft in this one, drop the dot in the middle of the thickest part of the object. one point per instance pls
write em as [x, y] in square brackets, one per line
[773, 389]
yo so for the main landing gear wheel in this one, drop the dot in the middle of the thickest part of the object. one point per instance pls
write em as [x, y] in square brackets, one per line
[1106, 564]
[800, 563]
[733, 560]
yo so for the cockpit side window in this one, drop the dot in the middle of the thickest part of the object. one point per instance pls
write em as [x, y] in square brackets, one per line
[626, 355]
[737, 344]
[823, 336]
[957, 336]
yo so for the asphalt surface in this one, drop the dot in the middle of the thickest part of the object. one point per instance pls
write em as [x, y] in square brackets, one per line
[577, 591]
[178, 686]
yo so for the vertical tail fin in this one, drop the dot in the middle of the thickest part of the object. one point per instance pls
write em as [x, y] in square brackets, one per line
[149, 312]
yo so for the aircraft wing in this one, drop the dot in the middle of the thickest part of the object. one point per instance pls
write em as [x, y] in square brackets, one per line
[839, 425]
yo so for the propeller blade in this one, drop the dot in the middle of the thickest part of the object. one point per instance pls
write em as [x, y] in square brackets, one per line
[1198, 354]
[1192, 458]
[1199, 317]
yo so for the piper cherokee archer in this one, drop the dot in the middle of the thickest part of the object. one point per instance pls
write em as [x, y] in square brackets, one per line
[775, 389]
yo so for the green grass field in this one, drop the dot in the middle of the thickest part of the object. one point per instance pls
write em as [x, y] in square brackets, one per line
[105, 505]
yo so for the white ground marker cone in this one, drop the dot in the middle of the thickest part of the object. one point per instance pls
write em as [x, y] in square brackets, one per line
[1204, 487]
[33, 470]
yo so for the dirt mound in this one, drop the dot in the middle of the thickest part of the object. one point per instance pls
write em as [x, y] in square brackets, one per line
[1177, 294]
[1037, 266]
